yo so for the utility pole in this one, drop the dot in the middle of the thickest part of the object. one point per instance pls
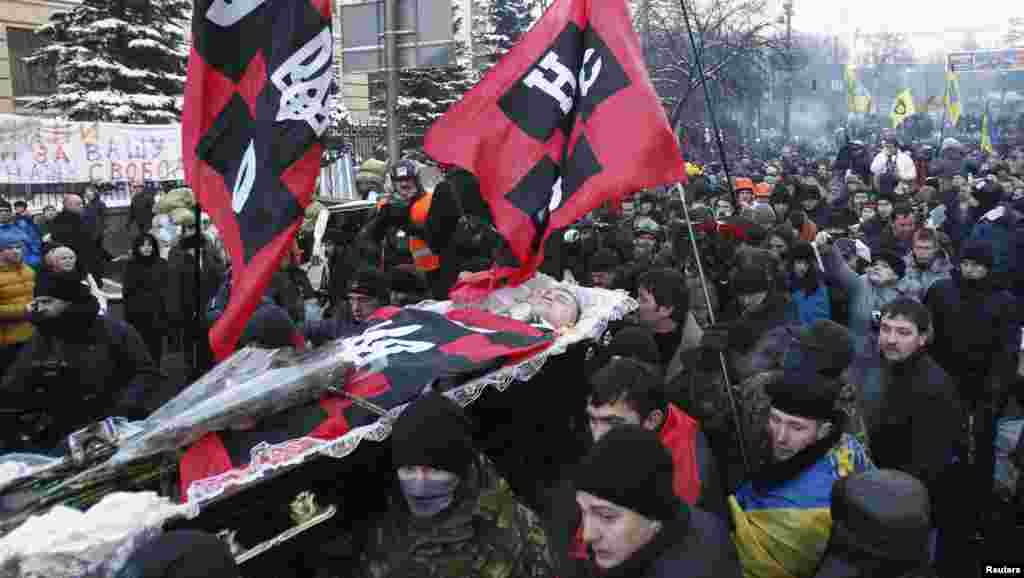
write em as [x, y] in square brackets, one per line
[391, 63]
[788, 103]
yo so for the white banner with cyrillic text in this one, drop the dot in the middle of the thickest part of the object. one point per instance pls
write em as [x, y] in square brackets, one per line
[39, 151]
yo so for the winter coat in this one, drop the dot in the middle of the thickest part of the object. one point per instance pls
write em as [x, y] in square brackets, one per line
[865, 298]
[104, 370]
[692, 334]
[813, 307]
[144, 283]
[977, 334]
[485, 532]
[704, 550]
[916, 281]
[915, 424]
[16, 289]
[181, 289]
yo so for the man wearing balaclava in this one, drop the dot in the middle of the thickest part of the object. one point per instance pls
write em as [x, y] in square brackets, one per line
[77, 369]
[452, 516]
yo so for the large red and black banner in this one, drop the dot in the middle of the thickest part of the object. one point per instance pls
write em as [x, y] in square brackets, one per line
[259, 75]
[565, 121]
[399, 355]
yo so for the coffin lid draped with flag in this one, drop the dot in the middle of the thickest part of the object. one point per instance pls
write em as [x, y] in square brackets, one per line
[259, 74]
[565, 121]
[404, 351]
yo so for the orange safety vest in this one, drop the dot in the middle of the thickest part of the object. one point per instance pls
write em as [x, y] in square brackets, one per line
[424, 258]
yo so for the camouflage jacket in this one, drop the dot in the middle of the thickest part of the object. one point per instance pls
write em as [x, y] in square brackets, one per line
[489, 536]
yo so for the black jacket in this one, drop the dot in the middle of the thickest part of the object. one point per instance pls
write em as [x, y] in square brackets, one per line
[181, 285]
[79, 369]
[916, 425]
[145, 281]
[696, 545]
[977, 333]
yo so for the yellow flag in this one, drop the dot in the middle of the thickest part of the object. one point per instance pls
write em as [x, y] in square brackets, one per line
[953, 97]
[857, 96]
[986, 134]
[902, 108]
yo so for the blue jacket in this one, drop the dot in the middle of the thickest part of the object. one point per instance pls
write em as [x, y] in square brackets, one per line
[810, 308]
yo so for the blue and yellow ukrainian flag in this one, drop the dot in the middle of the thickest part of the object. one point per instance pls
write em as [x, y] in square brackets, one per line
[782, 532]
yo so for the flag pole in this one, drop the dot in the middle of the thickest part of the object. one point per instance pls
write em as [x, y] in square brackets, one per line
[707, 99]
[196, 342]
[942, 127]
[711, 318]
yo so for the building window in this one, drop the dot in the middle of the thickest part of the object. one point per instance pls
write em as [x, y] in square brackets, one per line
[29, 79]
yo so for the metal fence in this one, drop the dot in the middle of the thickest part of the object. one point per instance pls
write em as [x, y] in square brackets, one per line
[362, 139]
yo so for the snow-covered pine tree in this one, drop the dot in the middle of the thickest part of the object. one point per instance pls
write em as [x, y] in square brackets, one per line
[117, 60]
[506, 21]
[426, 93]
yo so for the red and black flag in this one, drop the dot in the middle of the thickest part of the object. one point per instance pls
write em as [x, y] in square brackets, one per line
[259, 74]
[565, 121]
[399, 355]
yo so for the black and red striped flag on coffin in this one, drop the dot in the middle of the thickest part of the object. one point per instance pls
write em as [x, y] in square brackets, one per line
[567, 120]
[399, 354]
[259, 74]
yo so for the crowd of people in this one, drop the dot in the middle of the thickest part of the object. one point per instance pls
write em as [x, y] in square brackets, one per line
[821, 379]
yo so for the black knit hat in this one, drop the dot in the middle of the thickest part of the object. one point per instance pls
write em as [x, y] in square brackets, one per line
[804, 393]
[604, 260]
[635, 342]
[750, 280]
[826, 346]
[978, 251]
[435, 432]
[894, 259]
[181, 554]
[630, 468]
[270, 327]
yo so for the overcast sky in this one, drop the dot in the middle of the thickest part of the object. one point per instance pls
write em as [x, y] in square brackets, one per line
[843, 17]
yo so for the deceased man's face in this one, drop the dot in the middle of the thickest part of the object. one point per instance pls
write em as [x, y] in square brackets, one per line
[556, 306]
